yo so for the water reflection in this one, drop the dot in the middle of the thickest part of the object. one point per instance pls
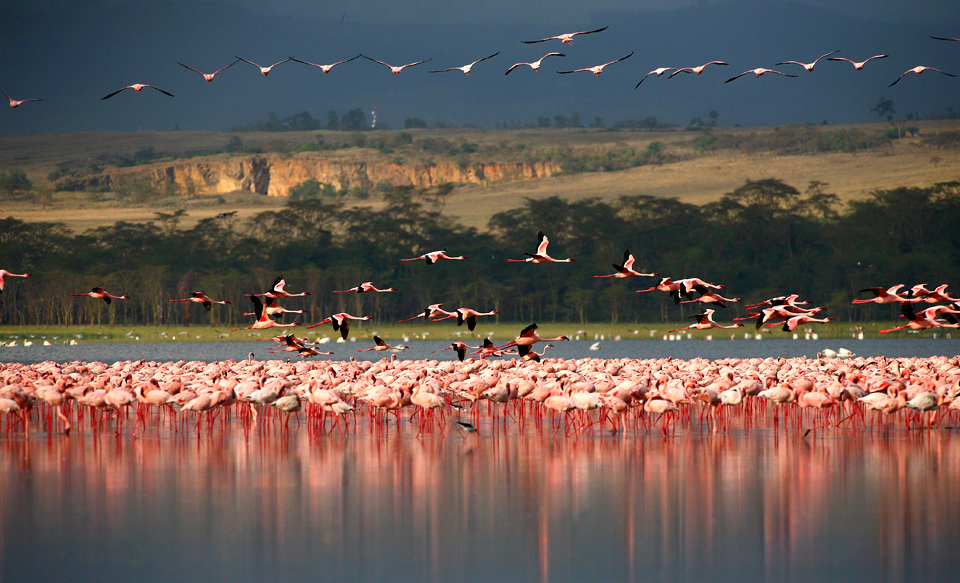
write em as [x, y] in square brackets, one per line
[260, 506]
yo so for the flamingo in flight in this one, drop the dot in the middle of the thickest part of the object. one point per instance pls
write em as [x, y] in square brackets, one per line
[136, 87]
[434, 256]
[488, 350]
[809, 66]
[99, 294]
[657, 72]
[324, 68]
[278, 292]
[917, 70]
[536, 64]
[705, 322]
[856, 65]
[790, 300]
[459, 347]
[914, 322]
[208, 76]
[696, 70]
[598, 69]
[201, 298]
[469, 316]
[942, 38]
[791, 323]
[565, 38]
[626, 270]
[886, 296]
[933, 297]
[366, 286]
[4, 273]
[341, 323]
[15, 103]
[710, 297]
[759, 71]
[541, 255]
[432, 311]
[263, 319]
[265, 70]
[272, 308]
[527, 338]
[396, 70]
[466, 68]
[774, 312]
[381, 345]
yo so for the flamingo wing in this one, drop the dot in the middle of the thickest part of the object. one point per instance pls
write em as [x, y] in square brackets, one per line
[158, 89]
[542, 242]
[114, 93]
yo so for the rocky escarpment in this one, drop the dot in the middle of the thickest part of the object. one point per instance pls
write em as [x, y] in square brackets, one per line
[275, 175]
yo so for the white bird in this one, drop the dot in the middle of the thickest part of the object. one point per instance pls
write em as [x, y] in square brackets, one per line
[14, 103]
[136, 87]
[758, 72]
[856, 65]
[656, 72]
[324, 68]
[809, 66]
[595, 346]
[918, 70]
[597, 69]
[564, 38]
[466, 68]
[264, 70]
[696, 70]
[208, 76]
[395, 70]
[536, 64]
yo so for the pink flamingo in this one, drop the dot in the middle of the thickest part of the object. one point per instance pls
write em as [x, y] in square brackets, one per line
[278, 292]
[541, 255]
[626, 270]
[432, 311]
[136, 87]
[790, 300]
[208, 76]
[466, 68]
[201, 298]
[858, 65]
[272, 308]
[809, 66]
[915, 322]
[657, 72]
[434, 256]
[597, 69]
[469, 316]
[99, 294]
[705, 322]
[15, 103]
[917, 70]
[696, 70]
[711, 297]
[396, 70]
[324, 68]
[265, 70]
[886, 296]
[263, 319]
[759, 71]
[942, 38]
[366, 286]
[4, 273]
[381, 345]
[527, 338]
[459, 347]
[791, 324]
[536, 64]
[774, 312]
[564, 38]
[340, 322]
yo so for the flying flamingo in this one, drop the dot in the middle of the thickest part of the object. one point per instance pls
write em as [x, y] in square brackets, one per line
[263, 319]
[366, 286]
[657, 72]
[265, 70]
[758, 72]
[886, 296]
[396, 70]
[341, 322]
[564, 38]
[466, 68]
[666, 285]
[324, 68]
[99, 294]
[278, 292]
[536, 64]
[381, 345]
[597, 69]
[527, 338]
[915, 322]
[488, 350]
[774, 312]
[272, 308]
[467, 315]
[918, 70]
[201, 298]
[626, 270]
[4, 273]
[208, 76]
[710, 297]
[136, 87]
[696, 70]
[705, 322]
[856, 65]
[941, 38]
[434, 256]
[541, 255]
[791, 324]
[432, 311]
[809, 66]
[790, 300]
[14, 103]
[459, 347]
[933, 297]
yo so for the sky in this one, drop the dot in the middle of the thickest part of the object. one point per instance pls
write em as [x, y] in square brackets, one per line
[73, 52]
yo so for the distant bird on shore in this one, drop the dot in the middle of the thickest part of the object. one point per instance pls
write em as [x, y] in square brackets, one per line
[758, 72]
[396, 70]
[15, 103]
[209, 76]
[265, 70]
[201, 298]
[917, 71]
[657, 72]
[435, 256]
[597, 69]
[99, 294]
[324, 68]
[696, 70]
[858, 65]
[566, 37]
[136, 87]
[4, 273]
[809, 66]
[541, 255]
[466, 68]
[536, 64]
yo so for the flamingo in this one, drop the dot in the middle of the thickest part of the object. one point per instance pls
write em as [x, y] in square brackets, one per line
[886, 296]
[466, 68]
[856, 65]
[459, 347]
[432, 311]
[921, 321]
[469, 316]
[265, 70]
[597, 69]
[657, 72]
[273, 309]
[942, 38]
[705, 322]
[809, 66]
[564, 38]
[488, 350]
[790, 300]
[15, 103]
[917, 70]
[711, 297]
[278, 292]
[366, 286]
[4, 273]
[396, 70]
[340, 322]
[136, 87]
[626, 270]
[696, 70]
[933, 297]
[99, 294]
[208, 76]
[536, 64]
[324, 68]
[773, 312]
[534, 355]
[201, 298]
[759, 71]
[308, 351]
[527, 338]
[434, 256]
[541, 255]
[263, 319]
[791, 324]
[381, 345]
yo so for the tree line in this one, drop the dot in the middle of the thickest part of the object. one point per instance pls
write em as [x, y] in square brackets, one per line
[763, 239]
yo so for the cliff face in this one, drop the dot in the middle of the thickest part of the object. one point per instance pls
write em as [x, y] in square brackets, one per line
[274, 175]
